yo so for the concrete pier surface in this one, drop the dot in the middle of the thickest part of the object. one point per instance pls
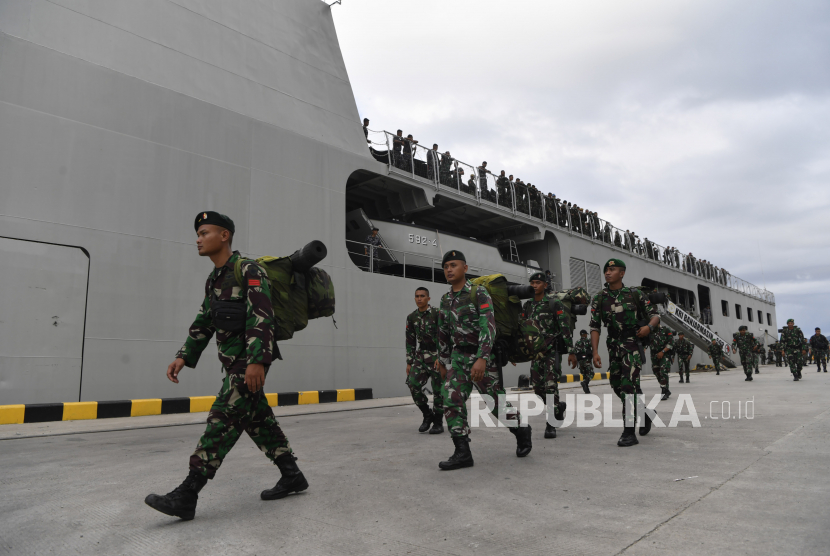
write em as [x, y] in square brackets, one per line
[754, 485]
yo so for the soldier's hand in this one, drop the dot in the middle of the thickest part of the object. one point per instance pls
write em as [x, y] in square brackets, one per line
[407, 369]
[441, 369]
[478, 370]
[643, 332]
[660, 355]
[572, 361]
[173, 370]
[597, 361]
[255, 377]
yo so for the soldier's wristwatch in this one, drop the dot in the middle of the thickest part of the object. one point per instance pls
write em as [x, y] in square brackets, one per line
[651, 328]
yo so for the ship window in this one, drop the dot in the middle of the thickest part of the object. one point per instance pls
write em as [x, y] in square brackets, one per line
[760, 317]
[585, 275]
[749, 313]
[724, 307]
[594, 280]
[769, 319]
[577, 268]
[738, 311]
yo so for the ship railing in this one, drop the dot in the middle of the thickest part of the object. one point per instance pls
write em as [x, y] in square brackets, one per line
[407, 264]
[450, 173]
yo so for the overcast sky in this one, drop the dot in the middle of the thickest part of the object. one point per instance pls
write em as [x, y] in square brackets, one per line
[701, 124]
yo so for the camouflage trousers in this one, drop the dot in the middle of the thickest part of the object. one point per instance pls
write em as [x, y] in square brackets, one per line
[795, 358]
[716, 363]
[624, 368]
[661, 368]
[746, 362]
[586, 369]
[544, 378]
[459, 385]
[821, 358]
[421, 372]
[237, 409]
[682, 364]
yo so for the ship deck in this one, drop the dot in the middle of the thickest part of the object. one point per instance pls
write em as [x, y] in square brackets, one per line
[751, 486]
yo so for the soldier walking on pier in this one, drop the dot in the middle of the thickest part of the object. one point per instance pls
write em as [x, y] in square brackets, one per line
[466, 332]
[662, 344]
[584, 355]
[246, 350]
[622, 310]
[820, 348]
[684, 350]
[745, 343]
[546, 331]
[715, 353]
[421, 355]
[792, 342]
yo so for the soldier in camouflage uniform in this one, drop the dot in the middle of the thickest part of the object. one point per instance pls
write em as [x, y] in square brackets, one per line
[792, 342]
[715, 353]
[421, 355]
[621, 310]
[820, 348]
[246, 349]
[776, 350]
[584, 355]
[546, 331]
[466, 334]
[745, 343]
[684, 350]
[662, 344]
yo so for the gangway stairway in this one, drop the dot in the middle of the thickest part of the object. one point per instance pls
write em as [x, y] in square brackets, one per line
[681, 321]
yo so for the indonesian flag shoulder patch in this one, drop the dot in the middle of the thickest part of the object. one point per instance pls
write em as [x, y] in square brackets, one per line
[485, 306]
[254, 282]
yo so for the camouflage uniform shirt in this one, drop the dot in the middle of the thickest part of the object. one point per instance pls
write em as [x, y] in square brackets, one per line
[583, 350]
[422, 336]
[462, 327]
[716, 351]
[745, 343]
[662, 338]
[544, 325]
[613, 309]
[239, 349]
[684, 348]
[792, 340]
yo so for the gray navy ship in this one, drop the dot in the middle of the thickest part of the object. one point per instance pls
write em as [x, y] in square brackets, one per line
[120, 120]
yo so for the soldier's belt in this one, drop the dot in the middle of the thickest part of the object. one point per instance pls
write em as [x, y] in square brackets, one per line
[466, 350]
[623, 334]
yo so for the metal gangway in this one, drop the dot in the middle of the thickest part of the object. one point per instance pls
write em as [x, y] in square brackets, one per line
[696, 332]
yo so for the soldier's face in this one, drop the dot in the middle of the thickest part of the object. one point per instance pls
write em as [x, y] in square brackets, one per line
[583, 336]
[454, 271]
[421, 299]
[211, 239]
[614, 274]
[538, 286]
[790, 325]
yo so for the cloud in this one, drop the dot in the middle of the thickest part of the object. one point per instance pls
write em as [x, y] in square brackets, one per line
[700, 124]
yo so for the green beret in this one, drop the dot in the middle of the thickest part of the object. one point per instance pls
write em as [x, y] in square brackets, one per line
[537, 276]
[615, 263]
[790, 321]
[214, 218]
[453, 256]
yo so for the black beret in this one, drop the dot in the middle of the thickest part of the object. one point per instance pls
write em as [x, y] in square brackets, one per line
[583, 331]
[537, 276]
[742, 327]
[214, 218]
[453, 256]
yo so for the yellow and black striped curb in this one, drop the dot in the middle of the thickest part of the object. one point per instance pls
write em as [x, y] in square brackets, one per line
[73, 411]
[580, 378]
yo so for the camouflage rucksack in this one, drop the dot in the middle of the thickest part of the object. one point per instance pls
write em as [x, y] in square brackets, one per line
[506, 311]
[522, 353]
[296, 296]
[570, 298]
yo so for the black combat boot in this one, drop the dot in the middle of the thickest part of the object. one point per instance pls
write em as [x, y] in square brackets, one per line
[687, 378]
[757, 372]
[646, 427]
[462, 457]
[181, 502]
[550, 431]
[628, 438]
[681, 378]
[585, 388]
[524, 443]
[559, 413]
[795, 377]
[437, 423]
[292, 479]
[665, 392]
[428, 417]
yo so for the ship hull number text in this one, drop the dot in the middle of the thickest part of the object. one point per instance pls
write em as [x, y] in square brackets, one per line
[422, 240]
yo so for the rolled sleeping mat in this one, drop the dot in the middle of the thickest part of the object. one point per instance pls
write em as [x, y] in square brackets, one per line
[657, 297]
[522, 292]
[303, 259]
[579, 309]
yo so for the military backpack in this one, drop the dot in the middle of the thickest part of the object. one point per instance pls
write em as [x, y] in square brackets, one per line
[299, 291]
